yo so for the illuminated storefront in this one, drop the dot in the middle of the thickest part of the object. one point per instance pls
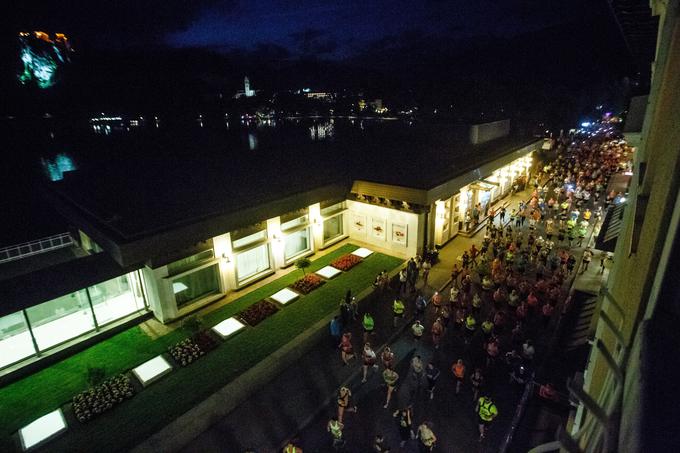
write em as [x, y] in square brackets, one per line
[41, 327]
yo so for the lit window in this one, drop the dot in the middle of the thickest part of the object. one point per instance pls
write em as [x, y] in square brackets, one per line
[253, 262]
[297, 243]
[61, 319]
[15, 339]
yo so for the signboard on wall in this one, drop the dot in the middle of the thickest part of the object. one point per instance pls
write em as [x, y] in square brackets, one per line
[359, 223]
[399, 234]
[378, 228]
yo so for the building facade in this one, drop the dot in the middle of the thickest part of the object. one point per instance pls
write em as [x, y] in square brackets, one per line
[179, 270]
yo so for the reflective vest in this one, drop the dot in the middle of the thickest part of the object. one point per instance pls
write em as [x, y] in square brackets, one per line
[398, 307]
[458, 370]
[368, 322]
[476, 301]
[470, 323]
[487, 409]
[335, 429]
[487, 326]
[390, 377]
[291, 449]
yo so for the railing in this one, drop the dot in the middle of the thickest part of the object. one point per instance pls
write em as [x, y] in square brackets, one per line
[600, 429]
[19, 251]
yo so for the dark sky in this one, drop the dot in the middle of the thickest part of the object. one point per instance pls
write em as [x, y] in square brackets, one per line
[324, 28]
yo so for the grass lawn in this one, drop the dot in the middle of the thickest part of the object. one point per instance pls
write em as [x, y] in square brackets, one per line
[148, 411]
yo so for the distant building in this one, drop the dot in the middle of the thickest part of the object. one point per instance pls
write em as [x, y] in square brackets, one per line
[246, 85]
[321, 95]
[247, 91]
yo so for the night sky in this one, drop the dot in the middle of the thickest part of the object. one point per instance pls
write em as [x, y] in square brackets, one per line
[326, 29]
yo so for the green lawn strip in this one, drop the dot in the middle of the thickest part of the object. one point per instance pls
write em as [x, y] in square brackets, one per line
[162, 402]
[27, 399]
[257, 295]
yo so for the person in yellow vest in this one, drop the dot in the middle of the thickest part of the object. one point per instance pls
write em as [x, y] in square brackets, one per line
[335, 428]
[291, 448]
[398, 310]
[368, 325]
[487, 411]
[470, 327]
[426, 436]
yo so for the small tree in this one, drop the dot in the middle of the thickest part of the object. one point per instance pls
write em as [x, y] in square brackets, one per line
[192, 324]
[95, 375]
[302, 264]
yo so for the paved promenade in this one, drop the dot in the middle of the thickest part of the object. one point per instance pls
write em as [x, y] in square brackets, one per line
[303, 396]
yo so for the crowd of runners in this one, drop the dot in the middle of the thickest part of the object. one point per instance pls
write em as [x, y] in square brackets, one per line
[498, 309]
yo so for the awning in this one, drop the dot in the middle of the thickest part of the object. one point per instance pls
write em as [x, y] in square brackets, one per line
[611, 227]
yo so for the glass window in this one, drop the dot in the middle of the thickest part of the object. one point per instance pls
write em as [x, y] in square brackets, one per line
[300, 221]
[252, 262]
[116, 298]
[297, 243]
[332, 228]
[60, 319]
[15, 339]
[253, 238]
[195, 285]
[187, 263]
[332, 209]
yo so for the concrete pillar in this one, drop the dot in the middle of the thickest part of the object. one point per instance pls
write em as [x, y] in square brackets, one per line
[317, 225]
[225, 255]
[276, 240]
[159, 293]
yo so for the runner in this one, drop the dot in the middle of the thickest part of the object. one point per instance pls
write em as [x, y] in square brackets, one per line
[458, 370]
[344, 395]
[390, 377]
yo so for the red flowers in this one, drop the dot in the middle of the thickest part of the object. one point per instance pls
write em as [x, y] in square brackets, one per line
[346, 262]
[307, 284]
[258, 312]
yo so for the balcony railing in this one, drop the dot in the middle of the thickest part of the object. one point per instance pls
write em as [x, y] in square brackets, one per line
[19, 251]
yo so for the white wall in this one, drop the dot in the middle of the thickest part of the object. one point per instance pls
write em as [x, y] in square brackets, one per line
[386, 218]
[480, 133]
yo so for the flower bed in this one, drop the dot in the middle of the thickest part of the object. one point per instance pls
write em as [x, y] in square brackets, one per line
[99, 399]
[205, 341]
[258, 312]
[307, 284]
[186, 351]
[346, 262]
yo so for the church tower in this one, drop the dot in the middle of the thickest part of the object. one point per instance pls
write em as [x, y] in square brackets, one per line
[246, 84]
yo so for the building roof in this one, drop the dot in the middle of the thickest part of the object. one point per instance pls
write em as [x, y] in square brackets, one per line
[153, 181]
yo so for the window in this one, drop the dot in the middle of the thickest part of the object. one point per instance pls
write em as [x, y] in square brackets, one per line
[116, 298]
[332, 209]
[300, 221]
[332, 228]
[189, 262]
[253, 262]
[60, 319]
[198, 284]
[297, 243]
[15, 339]
[248, 240]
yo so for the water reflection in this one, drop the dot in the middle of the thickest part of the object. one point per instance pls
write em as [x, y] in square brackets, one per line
[322, 131]
[55, 167]
[252, 141]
